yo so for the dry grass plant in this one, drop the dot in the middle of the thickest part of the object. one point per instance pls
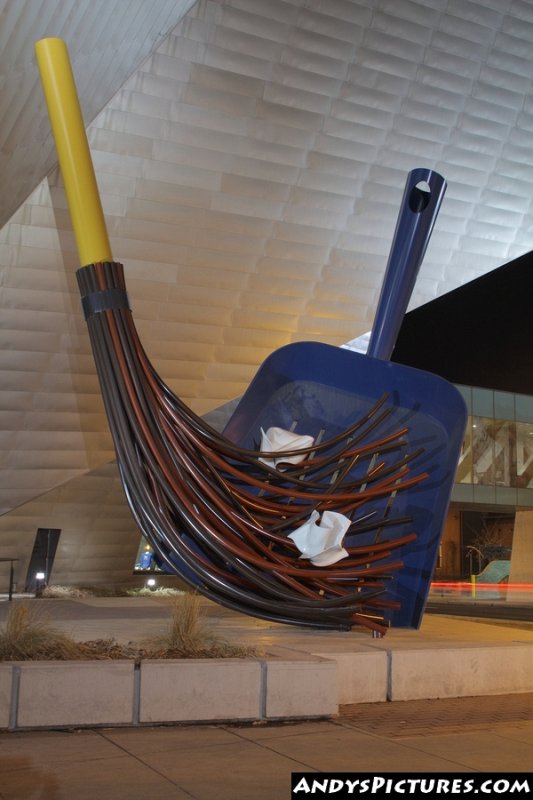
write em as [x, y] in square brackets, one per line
[65, 592]
[158, 593]
[58, 592]
[28, 636]
[188, 635]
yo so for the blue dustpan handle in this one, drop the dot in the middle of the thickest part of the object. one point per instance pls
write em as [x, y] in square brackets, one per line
[416, 218]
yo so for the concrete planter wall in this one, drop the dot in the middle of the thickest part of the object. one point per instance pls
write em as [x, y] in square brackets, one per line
[362, 675]
[60, 694]
[200, 690]
[5, 694]
[91, 693]
[461, 672]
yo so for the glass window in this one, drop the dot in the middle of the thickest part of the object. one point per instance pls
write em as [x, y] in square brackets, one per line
[483, 436]
[523, 460]
[464, 468]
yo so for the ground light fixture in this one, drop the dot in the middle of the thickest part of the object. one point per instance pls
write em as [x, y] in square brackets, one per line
[40, 583]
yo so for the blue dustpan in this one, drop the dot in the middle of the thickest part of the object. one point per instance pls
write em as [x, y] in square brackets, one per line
[321, 390]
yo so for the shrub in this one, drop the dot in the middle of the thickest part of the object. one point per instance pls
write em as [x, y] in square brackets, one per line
[27, 636]
[188, 636]
[64, 592]
[159, 592]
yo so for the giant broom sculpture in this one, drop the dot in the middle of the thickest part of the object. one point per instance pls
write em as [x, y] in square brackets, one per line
[221, 513]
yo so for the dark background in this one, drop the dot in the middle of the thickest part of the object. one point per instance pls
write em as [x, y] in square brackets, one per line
[480, 334]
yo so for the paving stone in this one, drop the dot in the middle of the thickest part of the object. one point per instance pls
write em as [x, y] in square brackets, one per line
[405, 718]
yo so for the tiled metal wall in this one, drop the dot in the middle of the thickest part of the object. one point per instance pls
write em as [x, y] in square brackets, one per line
[107, 39]
[98, 539]
[251, 172]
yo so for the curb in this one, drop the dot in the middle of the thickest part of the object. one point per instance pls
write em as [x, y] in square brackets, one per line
[59, 694]
[62, 694]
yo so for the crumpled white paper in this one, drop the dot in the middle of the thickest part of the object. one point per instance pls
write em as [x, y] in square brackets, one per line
[276, 440]
[321, 542]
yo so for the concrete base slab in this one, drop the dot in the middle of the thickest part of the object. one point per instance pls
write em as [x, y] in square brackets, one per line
[362, 677]
[5, 694]
[461, 672]
[200, 690]
[64, 693]
[300, 688]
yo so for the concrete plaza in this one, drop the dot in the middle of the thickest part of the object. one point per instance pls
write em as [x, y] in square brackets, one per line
[253, 760]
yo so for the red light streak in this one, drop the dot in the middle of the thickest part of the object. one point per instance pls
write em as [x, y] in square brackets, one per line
[513, 587]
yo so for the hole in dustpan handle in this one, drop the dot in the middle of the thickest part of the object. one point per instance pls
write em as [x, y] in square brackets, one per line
[422, 198]
[419, 197]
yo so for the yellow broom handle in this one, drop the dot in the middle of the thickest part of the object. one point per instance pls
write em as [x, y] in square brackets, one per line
[73, 151]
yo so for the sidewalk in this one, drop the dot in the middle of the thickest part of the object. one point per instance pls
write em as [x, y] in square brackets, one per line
[254, 761]
[251, 762]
